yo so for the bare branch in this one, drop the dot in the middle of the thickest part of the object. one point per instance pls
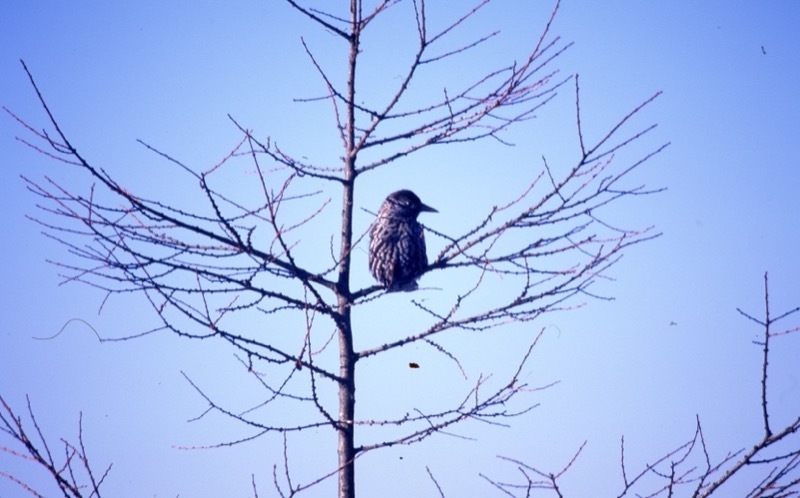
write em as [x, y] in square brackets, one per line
[251, 254]
[435, 483]
[312, 14]
[74, 476]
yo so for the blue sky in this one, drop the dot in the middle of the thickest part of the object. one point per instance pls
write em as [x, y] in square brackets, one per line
[169, 72]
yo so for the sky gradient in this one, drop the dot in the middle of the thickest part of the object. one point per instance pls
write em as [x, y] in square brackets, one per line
[668, 349]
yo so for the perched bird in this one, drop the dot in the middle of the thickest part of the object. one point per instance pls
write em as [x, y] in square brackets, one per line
[397, 255]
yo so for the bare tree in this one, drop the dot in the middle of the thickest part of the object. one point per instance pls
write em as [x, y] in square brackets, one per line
[72, 474]
[256, 252]
[688, 470]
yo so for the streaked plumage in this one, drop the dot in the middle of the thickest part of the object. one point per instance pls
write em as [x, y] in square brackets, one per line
[397, 256]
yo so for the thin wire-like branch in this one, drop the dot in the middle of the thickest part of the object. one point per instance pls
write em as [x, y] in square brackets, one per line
[435, 482]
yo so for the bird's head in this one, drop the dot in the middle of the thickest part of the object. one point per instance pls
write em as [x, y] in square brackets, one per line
[404, 203]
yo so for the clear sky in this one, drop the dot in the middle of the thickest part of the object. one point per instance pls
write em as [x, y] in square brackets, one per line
[669, 347]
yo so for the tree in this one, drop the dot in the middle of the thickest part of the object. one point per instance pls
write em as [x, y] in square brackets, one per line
[688, 470]
[255, 251]
[73, 476]
[767, 469]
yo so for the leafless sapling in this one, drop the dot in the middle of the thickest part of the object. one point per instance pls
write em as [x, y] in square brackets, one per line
[259, 251]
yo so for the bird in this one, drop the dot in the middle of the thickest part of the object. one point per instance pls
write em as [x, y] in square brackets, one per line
[397, 256]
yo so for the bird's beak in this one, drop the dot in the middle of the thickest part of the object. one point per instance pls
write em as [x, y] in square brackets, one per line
[425, 207]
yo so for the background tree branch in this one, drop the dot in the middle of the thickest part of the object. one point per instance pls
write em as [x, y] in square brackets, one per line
[773, 460]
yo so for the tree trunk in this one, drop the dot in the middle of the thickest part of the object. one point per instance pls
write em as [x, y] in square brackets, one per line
[347, 402]
[347, 357]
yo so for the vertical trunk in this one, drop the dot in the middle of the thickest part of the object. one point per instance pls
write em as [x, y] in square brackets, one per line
[347, 358]
[347, 401]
